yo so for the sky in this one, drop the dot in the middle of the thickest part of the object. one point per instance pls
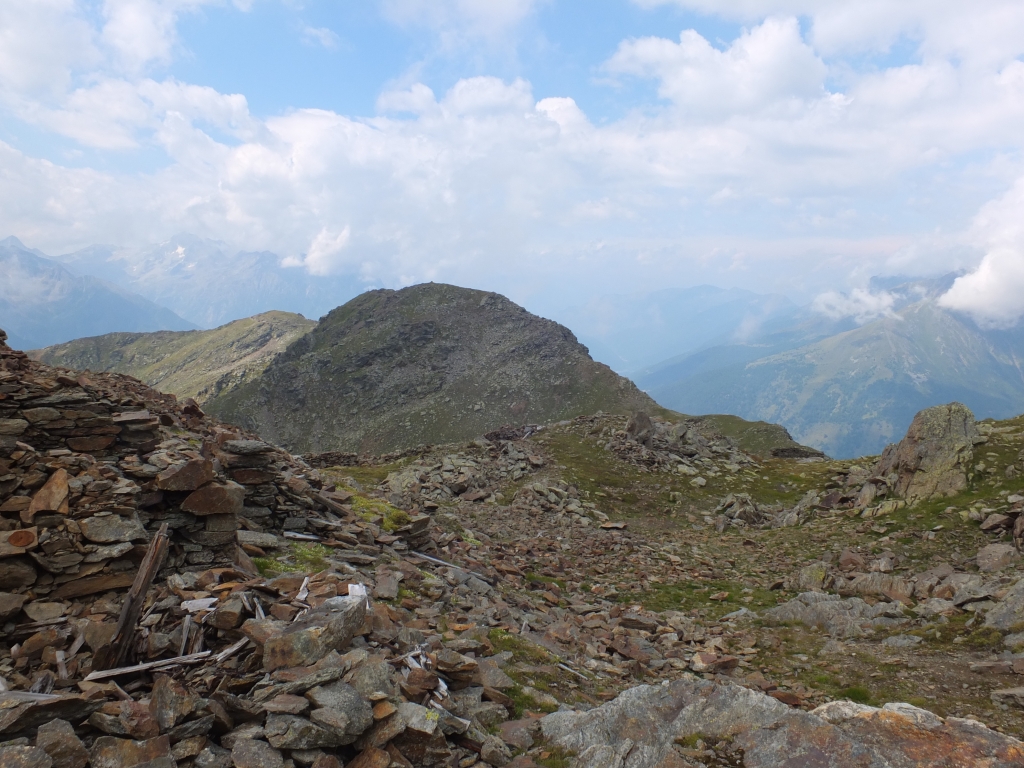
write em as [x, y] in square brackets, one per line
[555, 148]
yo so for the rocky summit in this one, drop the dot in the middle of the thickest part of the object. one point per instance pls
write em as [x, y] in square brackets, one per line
[428, 364]
[606, 591]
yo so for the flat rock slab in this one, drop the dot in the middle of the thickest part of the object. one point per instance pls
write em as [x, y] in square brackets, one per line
[640, 729]
[24, 757]
[252, 753]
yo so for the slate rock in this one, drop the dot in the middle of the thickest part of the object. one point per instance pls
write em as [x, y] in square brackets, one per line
[996, 557]
[57, 738]
[327, 628]
[109, 529]
[216, 499]
[10, 605]
[112, 752]
[213, 756]
[186, 477]
[292, 732]
[24, 757]
[341, 709]
[1009, 612]
[170, 703]
[371, 758]
[52, 497]
[252, 753]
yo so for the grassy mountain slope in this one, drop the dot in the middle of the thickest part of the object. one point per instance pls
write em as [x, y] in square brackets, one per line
[43, 303]
[199, 364]
[852, 393]
[428, 364]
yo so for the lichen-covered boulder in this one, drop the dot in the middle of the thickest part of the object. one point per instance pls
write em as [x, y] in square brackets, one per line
[935, 456]
[649, 726]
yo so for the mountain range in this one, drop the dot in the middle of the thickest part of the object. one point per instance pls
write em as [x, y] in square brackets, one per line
[842, 385]
[43, 302]
[211, 284]
[851, 392]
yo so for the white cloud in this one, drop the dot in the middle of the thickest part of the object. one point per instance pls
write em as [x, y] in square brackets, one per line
[994, 292]
[41, 43]
[860, 305]
[320, 36]
[144, 32]
[986, 31]
[750, 155]
[322, 256]
[766, 66]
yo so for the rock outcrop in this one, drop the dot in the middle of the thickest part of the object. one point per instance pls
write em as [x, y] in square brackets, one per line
[677, 724]
[935, 456]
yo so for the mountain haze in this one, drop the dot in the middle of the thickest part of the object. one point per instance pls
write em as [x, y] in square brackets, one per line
[210, 283]
[851, 393]
[198, 364]
[632, 332]
[42, 302]
[432, 363]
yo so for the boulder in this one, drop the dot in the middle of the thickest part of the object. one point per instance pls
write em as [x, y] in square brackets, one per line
[1008, 614]
[216, 499]
[640, 428]
[643, 727]
[186, 477]
[57, 738]
[935, 456]
[838, 617]
[995, 557]
[327, 628]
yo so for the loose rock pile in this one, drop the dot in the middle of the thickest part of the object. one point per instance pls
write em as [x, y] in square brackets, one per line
[225, 666]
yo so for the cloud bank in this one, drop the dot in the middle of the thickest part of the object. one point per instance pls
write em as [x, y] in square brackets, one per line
[775, 154]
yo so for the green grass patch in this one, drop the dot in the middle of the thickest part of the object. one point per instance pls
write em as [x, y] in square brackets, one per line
[391, 518]
[302, 558]
[366, 476]
[984, 638]
[856, 693]
[537, 578]
[522, 650]
[524, 702]
[690, 595]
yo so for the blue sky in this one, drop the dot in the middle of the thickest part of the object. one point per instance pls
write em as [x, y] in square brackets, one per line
[531, 146]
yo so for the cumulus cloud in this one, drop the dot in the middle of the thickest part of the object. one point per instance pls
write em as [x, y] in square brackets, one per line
[143, 32]
[765, 66]
[990, 31]
[321, 258]
[860, 305]
[994, 292]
